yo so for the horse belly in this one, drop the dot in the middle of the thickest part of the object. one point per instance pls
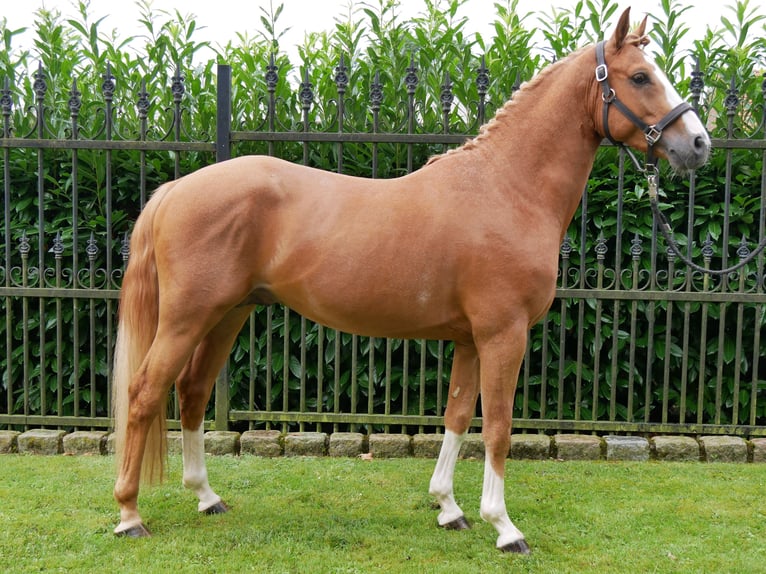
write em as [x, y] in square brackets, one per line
[401, 323]
[378, 307]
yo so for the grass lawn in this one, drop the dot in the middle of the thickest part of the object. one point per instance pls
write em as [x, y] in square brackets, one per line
[346, 516]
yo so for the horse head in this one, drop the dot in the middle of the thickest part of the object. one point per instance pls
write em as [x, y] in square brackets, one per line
[637, 105]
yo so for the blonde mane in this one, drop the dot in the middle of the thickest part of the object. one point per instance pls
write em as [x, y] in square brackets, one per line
[509, 107]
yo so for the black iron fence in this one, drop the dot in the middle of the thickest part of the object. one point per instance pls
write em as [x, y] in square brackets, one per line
[635, 342]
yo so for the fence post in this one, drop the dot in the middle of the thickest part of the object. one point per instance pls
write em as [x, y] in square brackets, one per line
[223, 114]
[222, 153]
[222, 399]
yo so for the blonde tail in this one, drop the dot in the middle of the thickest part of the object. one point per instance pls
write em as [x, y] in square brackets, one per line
[138, 315]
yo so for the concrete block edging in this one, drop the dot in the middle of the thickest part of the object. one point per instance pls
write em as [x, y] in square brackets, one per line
[273, 443]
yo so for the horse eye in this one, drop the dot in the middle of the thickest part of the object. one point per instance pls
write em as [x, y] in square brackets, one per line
[640, 79]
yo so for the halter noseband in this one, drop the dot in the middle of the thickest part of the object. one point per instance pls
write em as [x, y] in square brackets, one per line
[653, 133]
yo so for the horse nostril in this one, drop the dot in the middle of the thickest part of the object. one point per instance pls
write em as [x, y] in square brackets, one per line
[701, 148]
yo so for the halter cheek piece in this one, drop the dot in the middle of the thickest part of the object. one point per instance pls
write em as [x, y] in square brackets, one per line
[653, 133]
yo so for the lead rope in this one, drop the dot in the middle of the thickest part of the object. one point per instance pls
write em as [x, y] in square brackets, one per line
[667, 233]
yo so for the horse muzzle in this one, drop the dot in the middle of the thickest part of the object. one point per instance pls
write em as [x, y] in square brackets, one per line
[685, 152]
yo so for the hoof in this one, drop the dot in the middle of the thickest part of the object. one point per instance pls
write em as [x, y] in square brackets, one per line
[460, 523]
[137, 531]
[518, 547]
[218, 508]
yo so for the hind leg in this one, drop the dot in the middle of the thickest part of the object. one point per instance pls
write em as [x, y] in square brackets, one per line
[194, 385]
[461, 407]
[147, 396]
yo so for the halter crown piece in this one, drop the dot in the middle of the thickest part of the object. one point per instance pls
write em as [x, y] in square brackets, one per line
[653, 133]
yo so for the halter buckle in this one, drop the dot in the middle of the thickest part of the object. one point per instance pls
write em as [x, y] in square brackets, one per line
[601, 73]
[653, 135]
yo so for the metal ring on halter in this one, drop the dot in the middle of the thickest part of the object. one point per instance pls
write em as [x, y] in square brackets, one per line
[609, 98]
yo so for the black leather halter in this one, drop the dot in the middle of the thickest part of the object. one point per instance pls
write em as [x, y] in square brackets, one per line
[653, 133]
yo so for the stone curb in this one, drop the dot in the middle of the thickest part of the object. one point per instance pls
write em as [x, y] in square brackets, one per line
[273, 443]
[627, 448]
[219, 443]
[9, 441]
[577, 447]
[390, 445]
[531, 446]
[85, 442]
[306, 444]
[268, 443]
[758, 450]
[348, 444]
[42, 441]
[724, 448]
[675, 449]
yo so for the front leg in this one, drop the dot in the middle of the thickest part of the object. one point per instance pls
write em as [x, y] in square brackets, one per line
[500, 364]
[510, 538]
[461, 407]
[451, 516]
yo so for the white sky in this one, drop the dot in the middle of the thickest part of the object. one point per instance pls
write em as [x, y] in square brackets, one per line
[222, 19]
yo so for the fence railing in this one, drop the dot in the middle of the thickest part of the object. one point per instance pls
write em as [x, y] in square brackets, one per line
[634, 342]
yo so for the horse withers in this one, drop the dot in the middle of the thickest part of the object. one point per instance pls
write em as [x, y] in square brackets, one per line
[427, 255]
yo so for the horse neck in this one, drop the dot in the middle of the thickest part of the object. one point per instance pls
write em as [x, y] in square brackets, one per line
[546, 137]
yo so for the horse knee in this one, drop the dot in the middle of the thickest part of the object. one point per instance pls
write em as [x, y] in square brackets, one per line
[458, 420]
[497, 446]
[460, 412]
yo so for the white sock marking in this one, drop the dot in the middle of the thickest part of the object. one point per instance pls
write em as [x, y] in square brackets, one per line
[493, 507]
[195, 469]
[443, 476]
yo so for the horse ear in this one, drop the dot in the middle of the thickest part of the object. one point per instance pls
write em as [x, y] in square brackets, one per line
[622, 30]
[641, 30]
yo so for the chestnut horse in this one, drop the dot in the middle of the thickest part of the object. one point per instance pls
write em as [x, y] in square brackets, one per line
[464, 249]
